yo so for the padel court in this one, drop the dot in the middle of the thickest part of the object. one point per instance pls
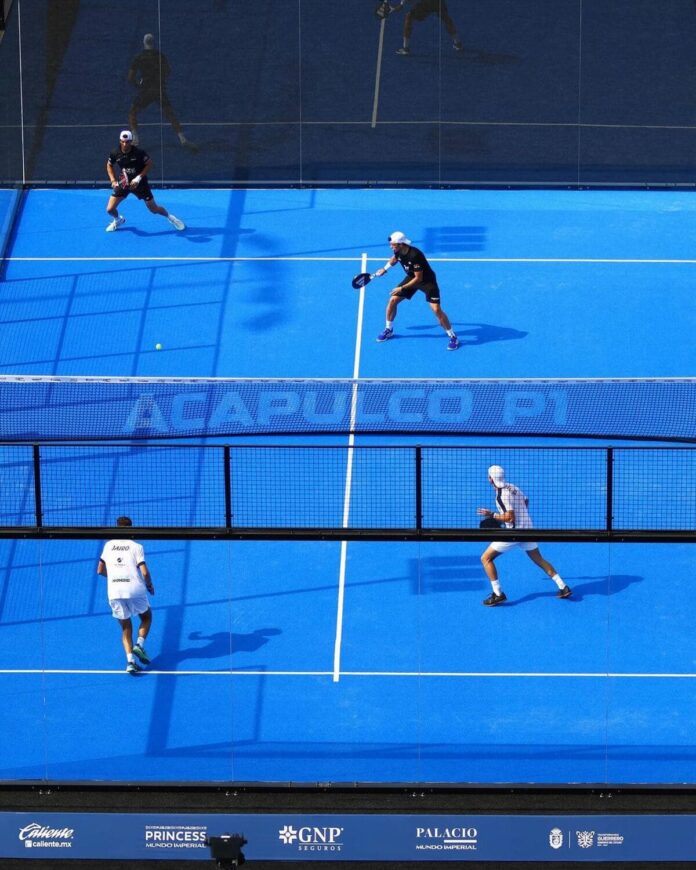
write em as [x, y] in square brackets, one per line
[317, 661]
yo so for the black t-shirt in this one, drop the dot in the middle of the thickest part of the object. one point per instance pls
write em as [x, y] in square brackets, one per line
[133, 163]
[147, 67]
[414, 261]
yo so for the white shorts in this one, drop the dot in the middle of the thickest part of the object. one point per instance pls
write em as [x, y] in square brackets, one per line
[124, 608]
[504, 546]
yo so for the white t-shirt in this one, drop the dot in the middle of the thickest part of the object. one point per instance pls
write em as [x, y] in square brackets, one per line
[509, 498]
[122, 559]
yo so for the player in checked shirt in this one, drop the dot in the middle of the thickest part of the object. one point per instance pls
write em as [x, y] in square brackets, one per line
[127, 168]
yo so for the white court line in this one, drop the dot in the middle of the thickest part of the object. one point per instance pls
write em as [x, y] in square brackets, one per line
[581, 260]
[533, 675]
[349, 479]
[378, 73]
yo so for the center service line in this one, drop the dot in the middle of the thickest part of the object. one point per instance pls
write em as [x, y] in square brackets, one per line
[349, 478]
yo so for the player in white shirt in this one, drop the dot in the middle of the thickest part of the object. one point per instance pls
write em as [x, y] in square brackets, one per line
[513, 512]
[123, 564]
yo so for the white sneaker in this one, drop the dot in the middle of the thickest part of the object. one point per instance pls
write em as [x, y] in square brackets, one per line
[175, 222]
[403, 51]
[115, 224]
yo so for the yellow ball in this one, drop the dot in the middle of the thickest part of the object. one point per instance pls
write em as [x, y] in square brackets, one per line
[158, 346]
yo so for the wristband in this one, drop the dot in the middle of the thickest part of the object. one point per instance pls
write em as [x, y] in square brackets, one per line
[138, 179]
[387, 266]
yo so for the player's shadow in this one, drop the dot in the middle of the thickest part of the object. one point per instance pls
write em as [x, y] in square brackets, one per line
[603, 585]
[195, 234]
[489, 58]
[474, 333]
[219, 644]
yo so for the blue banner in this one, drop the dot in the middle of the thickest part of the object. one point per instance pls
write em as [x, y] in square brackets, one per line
[374, 837]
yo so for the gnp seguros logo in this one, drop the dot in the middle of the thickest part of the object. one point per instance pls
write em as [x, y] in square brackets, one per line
[37, 836]
[312, 838]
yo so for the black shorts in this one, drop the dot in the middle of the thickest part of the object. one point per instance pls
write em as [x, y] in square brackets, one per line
[432, 291]
[142, 191]
[424, 8]
[147, 95]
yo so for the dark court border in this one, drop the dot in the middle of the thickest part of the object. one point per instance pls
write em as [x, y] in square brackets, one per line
[134, 797]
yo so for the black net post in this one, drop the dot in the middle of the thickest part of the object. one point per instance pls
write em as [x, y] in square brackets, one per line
[610, 488]
[419, 488]
[228, 487]
[37, 485]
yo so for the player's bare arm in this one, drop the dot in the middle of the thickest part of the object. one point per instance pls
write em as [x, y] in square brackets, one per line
[110, 173]
[414, 282]
[392, 261]
[147, 577]
[506, 517]
[143, 172]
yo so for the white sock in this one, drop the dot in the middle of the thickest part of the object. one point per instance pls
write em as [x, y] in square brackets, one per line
[140, 642]
[407, 40]
[450, 333]
[496, 586]
[558, 581]
[390, 324]
[130, 657]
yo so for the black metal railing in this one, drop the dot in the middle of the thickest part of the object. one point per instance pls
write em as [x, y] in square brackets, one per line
[344, 492]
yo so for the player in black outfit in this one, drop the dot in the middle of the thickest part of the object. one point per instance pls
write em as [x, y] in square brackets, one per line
[135, 163]
[419, 10]
[419, 276]
[148, 72]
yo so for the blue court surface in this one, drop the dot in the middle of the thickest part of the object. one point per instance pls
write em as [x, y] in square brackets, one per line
[311, 662]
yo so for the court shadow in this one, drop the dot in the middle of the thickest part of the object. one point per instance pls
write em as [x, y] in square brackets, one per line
[195, 234]
[490, 58]
[603, 585]
[216, 645]
[473, 333]
[437, 574]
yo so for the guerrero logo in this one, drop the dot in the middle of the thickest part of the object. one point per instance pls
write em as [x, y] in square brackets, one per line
[456, 839]
[556, 838]
[36, 836]
[175, 836]
[311, 838]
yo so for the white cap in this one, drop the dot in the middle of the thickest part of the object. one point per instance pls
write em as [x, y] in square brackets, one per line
[148, 40]
[398, 238]
[497, 475]
[125, 136]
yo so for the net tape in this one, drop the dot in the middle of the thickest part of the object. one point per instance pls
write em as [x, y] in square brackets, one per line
[34, 408]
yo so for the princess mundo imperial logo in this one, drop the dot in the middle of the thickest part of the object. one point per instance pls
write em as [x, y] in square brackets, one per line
[455, 839]
[36, 836]
[175, 836]
[311, 838]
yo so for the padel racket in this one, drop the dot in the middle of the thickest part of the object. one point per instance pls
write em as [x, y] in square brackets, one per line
[123, 181]
[361, 280]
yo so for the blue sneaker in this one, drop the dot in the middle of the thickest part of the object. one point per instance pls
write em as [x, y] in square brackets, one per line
[453, 343]
[385, 334]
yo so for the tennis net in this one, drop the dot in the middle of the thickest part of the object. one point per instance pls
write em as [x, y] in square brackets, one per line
[43, 408]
